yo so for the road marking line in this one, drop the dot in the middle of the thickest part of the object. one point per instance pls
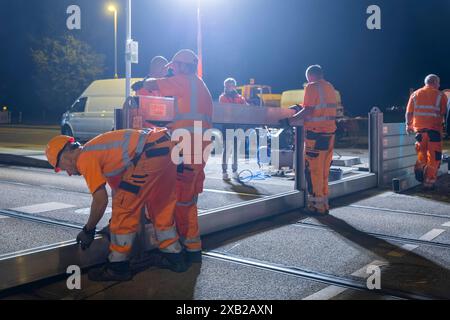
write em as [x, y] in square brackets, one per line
[87, 211]
[43, 207]
[234, 193]
[429, 236]
[432, 235]
[330, 292]
[326, 293]
[447, 224]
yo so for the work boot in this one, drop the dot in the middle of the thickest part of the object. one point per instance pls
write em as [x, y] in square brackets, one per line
[194, 257]
[314, 210]
[111, 271]
[429, 187]
[419, 175]
[175, 262]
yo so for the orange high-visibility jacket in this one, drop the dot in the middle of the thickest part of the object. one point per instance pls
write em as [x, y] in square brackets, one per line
[237, 99]
[193, 101]
[321, 96]
[107, 156]
[427, 108]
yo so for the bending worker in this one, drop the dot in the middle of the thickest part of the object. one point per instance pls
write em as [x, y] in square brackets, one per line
[319, 113]
[193, 115]
[230, 95]
[142, 160]
[425, 116]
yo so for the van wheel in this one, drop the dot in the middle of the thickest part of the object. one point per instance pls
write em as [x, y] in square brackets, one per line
[66, 131]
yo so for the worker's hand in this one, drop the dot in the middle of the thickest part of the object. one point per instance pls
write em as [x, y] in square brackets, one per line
[85, 238]
[138, 85]
[409, 130]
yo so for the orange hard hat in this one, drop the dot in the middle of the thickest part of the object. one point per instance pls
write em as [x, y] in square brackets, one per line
[54, 149]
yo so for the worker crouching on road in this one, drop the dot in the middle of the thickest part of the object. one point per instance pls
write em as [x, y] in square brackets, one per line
[425, 116]
[319, 113]
[193, 115]
[142, 159]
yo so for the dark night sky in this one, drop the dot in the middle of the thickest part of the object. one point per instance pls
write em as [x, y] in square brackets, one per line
[270, 40]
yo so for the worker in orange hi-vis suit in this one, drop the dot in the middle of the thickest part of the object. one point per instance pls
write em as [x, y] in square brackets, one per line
[425, 116]
[319, 113]
[193, 116]
[142, 159]
[157, 69]
[230, 95]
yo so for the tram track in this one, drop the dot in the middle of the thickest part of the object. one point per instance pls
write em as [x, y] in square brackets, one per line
[380, 236]
[329, 279]
[316, 276]
[396, 211]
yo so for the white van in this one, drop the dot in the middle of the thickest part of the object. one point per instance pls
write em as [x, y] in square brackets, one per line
[93, 112]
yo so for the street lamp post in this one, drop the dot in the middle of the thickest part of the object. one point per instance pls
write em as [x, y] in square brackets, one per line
[114, 10]
[128, 51]
[199, 41]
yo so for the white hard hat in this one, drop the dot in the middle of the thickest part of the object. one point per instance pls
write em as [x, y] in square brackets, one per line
[184, 56]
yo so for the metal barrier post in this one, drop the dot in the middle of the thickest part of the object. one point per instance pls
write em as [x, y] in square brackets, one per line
[376, 144]
[300, 184]
[118, 119]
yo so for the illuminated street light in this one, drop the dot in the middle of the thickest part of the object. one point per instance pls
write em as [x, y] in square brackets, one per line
[113, 9]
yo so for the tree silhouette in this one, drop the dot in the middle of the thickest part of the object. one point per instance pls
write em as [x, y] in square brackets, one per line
[64, 67]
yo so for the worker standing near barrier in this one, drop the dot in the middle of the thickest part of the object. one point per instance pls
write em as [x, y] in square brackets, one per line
[142, 159]
[231, 96]
[193, 114]
[425, 116]
[158, 69]
[319, 113]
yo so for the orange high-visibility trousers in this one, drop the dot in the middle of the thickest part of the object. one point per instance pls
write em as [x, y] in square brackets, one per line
[318, 157]
[190, 179]
[429, 156]
[150, 182]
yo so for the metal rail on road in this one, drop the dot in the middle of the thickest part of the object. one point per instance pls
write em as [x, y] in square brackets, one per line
[39, 219]
[415, 213]
[316, 276]
[380, 236]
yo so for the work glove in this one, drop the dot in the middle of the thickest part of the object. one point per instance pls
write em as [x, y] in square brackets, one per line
[138, 86]
[85, 238]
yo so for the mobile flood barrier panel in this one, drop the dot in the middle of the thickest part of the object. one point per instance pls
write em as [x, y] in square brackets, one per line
[41, 263]
[393, 153]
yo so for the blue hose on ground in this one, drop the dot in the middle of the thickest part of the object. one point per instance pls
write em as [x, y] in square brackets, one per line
[249, 176]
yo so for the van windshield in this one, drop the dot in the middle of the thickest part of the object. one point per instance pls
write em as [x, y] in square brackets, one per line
[79, 105]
